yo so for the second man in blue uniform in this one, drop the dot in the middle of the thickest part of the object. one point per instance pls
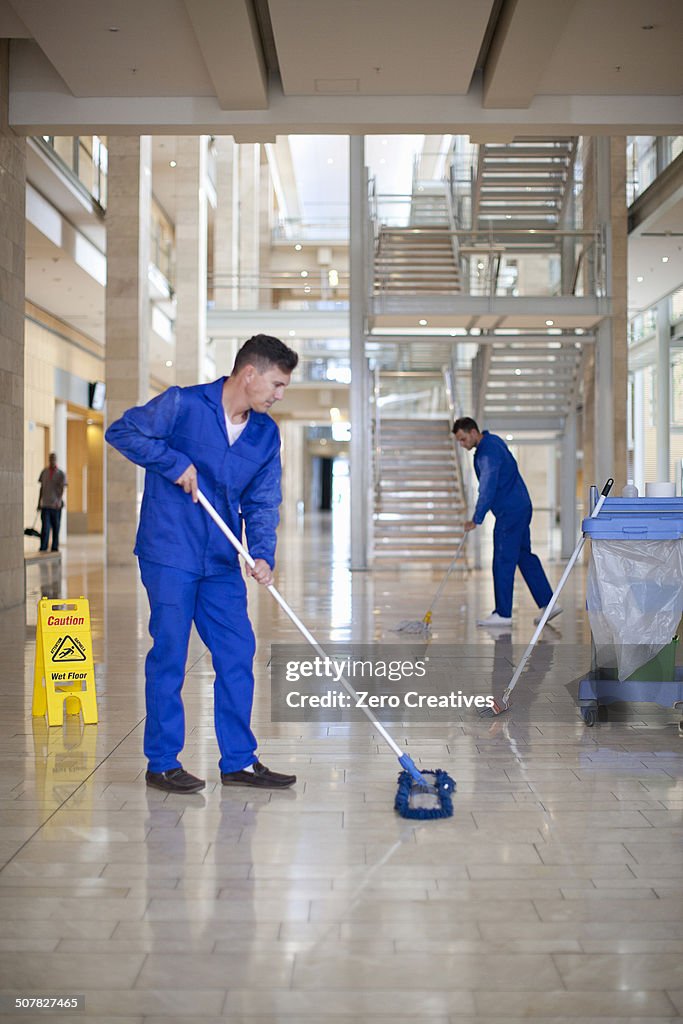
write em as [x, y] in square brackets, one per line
[503, 492]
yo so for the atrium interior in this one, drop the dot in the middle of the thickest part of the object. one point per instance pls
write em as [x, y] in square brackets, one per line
[471, 210]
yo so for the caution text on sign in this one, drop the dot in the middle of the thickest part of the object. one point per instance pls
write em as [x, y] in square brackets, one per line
[64, 663]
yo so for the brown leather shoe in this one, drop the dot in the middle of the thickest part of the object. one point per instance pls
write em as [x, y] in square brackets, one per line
[261, 777]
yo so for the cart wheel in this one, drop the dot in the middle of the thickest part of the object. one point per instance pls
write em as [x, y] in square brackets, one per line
[680, 728]
[602, 712]
[590, 716]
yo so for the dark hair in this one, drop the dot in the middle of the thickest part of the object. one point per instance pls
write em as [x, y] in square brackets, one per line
[262, 351]
[465, 423]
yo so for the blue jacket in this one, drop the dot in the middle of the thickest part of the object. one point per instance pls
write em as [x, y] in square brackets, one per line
[501, 488]
[242, 481]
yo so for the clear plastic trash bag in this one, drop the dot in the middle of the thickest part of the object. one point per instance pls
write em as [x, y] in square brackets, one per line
[634, 600]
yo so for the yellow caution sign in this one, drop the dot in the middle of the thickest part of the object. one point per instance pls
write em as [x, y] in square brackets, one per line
[64, 669]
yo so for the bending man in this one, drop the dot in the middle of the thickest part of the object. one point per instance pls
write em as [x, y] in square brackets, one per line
[220, 438]
[503, 492]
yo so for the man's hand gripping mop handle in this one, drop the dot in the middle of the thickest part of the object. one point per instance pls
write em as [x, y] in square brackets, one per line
[553, 600]
[404, 759]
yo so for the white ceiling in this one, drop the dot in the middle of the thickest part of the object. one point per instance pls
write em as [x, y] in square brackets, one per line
[377, 48]
[257, 68]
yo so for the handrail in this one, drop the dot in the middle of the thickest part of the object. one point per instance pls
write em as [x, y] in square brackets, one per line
[97, 195]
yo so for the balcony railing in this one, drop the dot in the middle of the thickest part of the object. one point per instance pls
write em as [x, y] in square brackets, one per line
[83, 158]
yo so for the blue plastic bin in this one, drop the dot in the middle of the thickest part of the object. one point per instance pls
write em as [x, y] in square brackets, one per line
[637, 519]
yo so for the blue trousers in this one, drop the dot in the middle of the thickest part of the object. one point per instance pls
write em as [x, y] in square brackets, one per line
[218, 607]
[50, 522]
[512, 548]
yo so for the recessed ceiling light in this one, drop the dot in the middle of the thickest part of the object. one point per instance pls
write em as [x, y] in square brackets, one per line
[549, 323]
[518, 372]
[172, 163]
[304, 273]
[480, 265]
[422, 323]
[639, 278]
[298, 247]
[292, 333]
[169, 362]
[509, 437]
[330, 160]
[665, 259]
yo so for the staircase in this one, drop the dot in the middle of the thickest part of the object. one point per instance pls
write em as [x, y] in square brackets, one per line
[420, 258]
[429, 206]
[523, 184]
[520, 380]
[419, 501]
[412, 261]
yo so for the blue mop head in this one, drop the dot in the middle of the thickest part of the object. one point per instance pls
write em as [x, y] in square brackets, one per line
[438, 792]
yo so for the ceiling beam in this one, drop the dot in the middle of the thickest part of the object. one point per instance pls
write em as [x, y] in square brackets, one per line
[526, 35]
[41, 103]
[228, 38]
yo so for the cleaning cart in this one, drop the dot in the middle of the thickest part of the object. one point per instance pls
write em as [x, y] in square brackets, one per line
[634, 602]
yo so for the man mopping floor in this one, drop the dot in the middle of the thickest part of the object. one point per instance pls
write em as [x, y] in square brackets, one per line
[503, 492]
[221, 437]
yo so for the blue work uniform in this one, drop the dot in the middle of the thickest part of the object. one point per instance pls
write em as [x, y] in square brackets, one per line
[190, 570]
[503, 492]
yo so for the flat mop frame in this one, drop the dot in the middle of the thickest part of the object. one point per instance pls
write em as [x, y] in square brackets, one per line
[443, 785]
[501, 707]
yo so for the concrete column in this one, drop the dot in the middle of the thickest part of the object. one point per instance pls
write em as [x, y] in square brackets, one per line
[266, 296]
[568, 466]
[127, 324]
[191, 259]
[249, 224]
[359, 397]
[639, 429]
[225, 251]
[605, 207]
[12, 263]
[61, 447]
[225, 244]
[663, 405]
[293, 475]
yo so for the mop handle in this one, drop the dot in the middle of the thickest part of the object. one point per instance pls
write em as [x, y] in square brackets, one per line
[551, 603]
[225, 529]
[444, 581]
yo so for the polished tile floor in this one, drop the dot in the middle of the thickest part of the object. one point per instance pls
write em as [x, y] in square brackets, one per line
[555, 892]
